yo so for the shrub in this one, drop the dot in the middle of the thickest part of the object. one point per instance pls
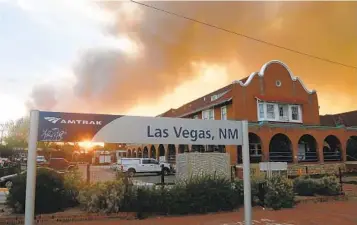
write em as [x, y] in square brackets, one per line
[238, 186]
[207, 194]
[50, 194]
[196, 195]
[306, 186]
[279, 193]
[102, 196]
[329, 185]
[73, 184]
[326, 185]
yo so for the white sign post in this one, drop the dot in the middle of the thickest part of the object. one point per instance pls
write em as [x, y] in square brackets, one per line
[74, 127]
[31, 169]
[246, 175]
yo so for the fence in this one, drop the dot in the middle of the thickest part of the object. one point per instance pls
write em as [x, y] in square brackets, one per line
[308, 157]
[281, 156]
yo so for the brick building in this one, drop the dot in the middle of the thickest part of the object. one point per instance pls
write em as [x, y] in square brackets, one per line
[284, 121]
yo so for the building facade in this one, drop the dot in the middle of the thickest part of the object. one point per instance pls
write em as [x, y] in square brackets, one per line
[284, 121]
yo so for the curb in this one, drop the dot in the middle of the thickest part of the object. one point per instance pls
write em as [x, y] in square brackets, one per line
[59, 219]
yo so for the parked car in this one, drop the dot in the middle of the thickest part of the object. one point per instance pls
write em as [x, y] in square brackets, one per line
[144, 165]
[40, 159]
[6, 181]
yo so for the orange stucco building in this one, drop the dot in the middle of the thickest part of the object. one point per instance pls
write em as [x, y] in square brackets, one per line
[284, 121]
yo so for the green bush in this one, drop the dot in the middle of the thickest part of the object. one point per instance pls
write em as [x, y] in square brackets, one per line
[305, 186]
[329, 185]
[197, 195]
[207, 194]
[50, 192]
[73, 184]
[279, 193]
[239, 189]
[326, 185]
[102, 196]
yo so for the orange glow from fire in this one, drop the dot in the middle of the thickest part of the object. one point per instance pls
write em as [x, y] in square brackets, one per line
[89, 144]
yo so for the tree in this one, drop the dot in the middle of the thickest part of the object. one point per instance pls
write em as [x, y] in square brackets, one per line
[17, 133]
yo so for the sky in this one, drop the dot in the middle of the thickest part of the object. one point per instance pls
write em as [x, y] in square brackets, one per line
[122, 58]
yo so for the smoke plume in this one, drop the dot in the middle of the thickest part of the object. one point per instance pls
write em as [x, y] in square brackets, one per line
[109, 80]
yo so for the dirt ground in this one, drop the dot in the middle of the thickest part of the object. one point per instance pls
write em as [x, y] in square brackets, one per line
[328, 213]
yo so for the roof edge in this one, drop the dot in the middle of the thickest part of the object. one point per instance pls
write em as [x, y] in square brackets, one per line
[206, 107]
[262, 71]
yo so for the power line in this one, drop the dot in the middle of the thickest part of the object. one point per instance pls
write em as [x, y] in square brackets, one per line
[243, 35]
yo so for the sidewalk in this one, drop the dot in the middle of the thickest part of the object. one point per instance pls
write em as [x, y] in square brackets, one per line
[329, 213]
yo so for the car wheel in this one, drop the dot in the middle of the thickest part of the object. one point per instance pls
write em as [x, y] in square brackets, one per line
[131, 173]
[8, 184]
[166, 172]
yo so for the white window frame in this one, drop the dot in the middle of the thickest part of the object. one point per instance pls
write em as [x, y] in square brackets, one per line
[274, 111]
[224, 112]
[299, 120]
[253, 151]
[261, 111]
[277, 118]
[286, 110]
[208, 112]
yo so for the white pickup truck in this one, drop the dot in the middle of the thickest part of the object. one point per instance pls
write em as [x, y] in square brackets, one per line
[144, 165]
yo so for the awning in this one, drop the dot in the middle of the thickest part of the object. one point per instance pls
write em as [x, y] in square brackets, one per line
[279, 99]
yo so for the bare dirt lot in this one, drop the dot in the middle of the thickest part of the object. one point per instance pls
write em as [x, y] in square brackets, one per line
[329, 213]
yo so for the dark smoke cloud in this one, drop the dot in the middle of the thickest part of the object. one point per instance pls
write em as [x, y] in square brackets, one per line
[107, 80]
[43, 96]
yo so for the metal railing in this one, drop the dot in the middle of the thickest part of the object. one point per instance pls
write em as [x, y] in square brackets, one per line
[280, 156]
[351, 158]
[307, 157]
[171, 159]
[332, 156]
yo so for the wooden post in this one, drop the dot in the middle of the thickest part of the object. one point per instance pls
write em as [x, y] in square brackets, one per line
[341, 182]
[162, 174]
[88, 173]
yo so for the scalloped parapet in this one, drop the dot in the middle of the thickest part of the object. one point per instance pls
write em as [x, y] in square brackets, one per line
[262, 71]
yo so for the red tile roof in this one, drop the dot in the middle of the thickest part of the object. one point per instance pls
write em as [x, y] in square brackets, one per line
[349, 119]
[201, 103]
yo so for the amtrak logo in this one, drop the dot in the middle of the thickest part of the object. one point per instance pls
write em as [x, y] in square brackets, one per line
[56, 120]
[53, 120]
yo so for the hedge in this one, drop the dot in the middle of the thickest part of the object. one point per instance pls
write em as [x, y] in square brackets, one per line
[50, 192]
[327, 185]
